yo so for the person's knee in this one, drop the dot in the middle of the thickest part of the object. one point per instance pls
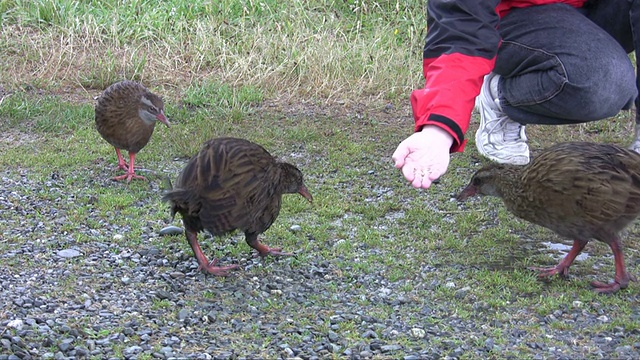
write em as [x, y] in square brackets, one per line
[610, 87]
[615, 96]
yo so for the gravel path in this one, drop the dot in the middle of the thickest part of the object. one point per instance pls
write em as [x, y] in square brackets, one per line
[73, 287]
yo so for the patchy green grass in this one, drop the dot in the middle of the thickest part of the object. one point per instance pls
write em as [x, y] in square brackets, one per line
[364, 219]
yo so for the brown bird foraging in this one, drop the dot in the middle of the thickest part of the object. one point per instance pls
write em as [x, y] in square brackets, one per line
[126, 114]
[579, 190]
[232, 184]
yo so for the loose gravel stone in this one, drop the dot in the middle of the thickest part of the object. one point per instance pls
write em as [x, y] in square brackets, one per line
[390, 348]
[418, 333]
[16, 324]
[369, 334]
[69, 253]
[170, 230]
[183, 314]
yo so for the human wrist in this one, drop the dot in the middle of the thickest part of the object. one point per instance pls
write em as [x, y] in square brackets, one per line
[438, 134]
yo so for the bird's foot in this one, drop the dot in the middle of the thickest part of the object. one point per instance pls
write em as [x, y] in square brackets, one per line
[620, 282]
[273, 252]
[604, 288]
[562, 271]
[210, 268]
[128, 176]
[123, 166]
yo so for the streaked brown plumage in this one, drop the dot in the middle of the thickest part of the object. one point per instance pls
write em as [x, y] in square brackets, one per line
[579, 190]
[232, 184]
[126, 114]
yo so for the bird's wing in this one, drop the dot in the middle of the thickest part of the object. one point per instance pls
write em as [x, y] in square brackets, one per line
[229, 177]
[598, 186]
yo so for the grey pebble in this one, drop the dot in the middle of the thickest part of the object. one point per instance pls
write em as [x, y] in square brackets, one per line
[16, 324]
[489, 344]
[223, 355]
[177, 274]
[18, 341]
[133, 350]
[333, 337]
[370, 334]
[461, 293]
[6, 343]
[183, 314]
[82, 352]
[65, 345]
[171, 230]
[91, 345]
[69, 253]
[389, 348]
[295, 228]
[162, 294]
[289, 352]
[47, 342]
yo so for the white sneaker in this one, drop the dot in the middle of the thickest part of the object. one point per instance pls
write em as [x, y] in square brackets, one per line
[635, 145]
[498, 137]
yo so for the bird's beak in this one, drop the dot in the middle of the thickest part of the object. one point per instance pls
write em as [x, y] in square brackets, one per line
[468, 192]
[163, 119]
[302, 190]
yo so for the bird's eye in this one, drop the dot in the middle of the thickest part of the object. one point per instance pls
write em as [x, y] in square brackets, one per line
[153, 109]
[476, 182]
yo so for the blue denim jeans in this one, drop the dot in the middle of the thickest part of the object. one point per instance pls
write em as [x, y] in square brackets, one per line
[562, 65]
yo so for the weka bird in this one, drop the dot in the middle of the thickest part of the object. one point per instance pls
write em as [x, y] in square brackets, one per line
[579, 190]
[126, 114]
[232, 184]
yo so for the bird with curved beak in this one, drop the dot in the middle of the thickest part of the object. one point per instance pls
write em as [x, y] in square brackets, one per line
[579, 190]
[126, 114]
[232, 184]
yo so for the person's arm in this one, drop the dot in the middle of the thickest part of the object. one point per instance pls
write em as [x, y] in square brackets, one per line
[461, 46]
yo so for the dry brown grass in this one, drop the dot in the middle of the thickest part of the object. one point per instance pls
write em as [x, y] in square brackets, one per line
[306, 50]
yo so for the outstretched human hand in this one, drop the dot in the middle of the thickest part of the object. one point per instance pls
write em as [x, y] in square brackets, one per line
[424, 156]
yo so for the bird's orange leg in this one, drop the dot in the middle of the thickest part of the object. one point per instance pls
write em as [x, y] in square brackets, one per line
[121, 163]
[130, 171]
[622, 278]
[562, 269]
[203, 263]
[263, 250]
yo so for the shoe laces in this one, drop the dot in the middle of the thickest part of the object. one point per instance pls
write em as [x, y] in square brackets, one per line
[511, 130]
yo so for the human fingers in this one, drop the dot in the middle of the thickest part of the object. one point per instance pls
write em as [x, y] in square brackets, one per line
[400, 155]
[408, 170]
[422, 179]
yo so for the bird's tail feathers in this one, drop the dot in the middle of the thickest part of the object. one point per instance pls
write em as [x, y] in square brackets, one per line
[182, 201]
